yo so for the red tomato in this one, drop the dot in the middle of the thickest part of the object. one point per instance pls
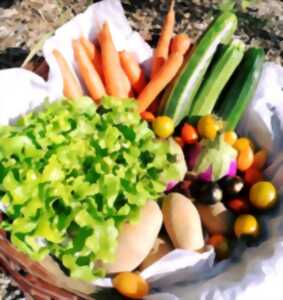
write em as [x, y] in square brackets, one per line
[220, 244]
[252, 176]
[239, 205]
[189, 134]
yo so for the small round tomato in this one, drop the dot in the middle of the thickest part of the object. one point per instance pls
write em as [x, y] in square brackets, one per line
[263, 195]
[246, 225]
[189, 134]
[238, 205]
[208, 126]
[242, 143]
[220, 244]
[252, 176]
[131, 285]
[230, 137]
[245, 159]
[147, 116]
[163, 126]
[260, 159]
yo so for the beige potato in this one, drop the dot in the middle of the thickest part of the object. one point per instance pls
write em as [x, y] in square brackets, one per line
[161, 247]
[136, 240]
[182, 222]
[215, 218]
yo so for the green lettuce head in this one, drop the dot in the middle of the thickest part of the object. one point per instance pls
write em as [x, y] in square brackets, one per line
[73, 172]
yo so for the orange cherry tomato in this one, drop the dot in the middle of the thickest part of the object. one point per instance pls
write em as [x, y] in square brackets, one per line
[260, 159]
[252, 175]
[246, 225]
[245, 159]
[238, 205]
[220, 244]
[179, 141]
[147, 116]
[189, 134]
[242, 143]
[131, 285]
[230, 137]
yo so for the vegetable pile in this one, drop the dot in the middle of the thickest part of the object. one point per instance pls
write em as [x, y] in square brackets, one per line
[79, 179]
[72, 173]
[226, 183]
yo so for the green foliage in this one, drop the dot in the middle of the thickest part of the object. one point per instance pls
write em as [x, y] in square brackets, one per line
[71, 174]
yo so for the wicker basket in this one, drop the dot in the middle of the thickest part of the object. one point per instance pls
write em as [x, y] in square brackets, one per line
[38, 280]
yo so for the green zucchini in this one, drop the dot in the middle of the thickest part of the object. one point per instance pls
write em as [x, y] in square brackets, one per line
[177, 101]
[216, 79]
[242, 88]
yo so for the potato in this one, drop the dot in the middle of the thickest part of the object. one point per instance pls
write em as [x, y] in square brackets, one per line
[161, 247]
[136, 240]
[182, 222]
[215, 218]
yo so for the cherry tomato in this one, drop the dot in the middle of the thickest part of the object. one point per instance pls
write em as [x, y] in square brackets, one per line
[230, 137]
[238, 205]
[131, 285]
[189, 134]
[260, 159]
[208, 126]
[242, 143]
[245, 159]
[179, 141]
[147, 116]
[220, 244]
[263, 195]
[246, 225]
[163, 126]
[252, 176]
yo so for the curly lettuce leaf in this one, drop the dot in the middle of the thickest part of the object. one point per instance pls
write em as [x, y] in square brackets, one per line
[72, 173]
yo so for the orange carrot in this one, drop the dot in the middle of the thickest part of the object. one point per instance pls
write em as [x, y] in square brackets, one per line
[93, 54]
[167, 72]
[162, 50]
[72, 88]
[112, 69]
[89, 74]
[180, 42]
[133, 71]
[127, 84]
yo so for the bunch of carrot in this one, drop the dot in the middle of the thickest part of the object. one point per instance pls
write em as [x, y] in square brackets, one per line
[105, 71]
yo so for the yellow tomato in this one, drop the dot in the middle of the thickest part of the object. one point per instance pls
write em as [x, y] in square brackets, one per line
[163, 126]
[230, 137]
[131, 285]
[263, 195]
[246, 225]
[208, 126]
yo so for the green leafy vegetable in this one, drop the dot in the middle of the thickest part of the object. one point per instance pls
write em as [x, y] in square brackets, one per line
[72, 173]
